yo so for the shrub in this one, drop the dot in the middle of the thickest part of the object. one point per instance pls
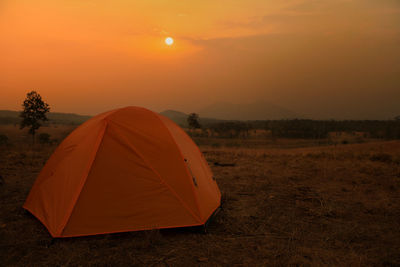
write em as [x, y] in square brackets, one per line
[3, 139]
[44, 138]
[382, 157]
[216, 145]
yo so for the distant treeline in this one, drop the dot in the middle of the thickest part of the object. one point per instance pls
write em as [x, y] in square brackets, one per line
[296, 128]
[306, 129]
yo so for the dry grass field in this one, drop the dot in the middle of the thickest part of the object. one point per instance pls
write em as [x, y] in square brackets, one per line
[284, 203]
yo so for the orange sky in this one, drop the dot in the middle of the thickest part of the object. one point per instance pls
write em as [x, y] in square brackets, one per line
[323, 59]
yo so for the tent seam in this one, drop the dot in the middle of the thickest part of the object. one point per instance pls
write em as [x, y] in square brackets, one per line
[205, 161]
[183, 160]
[83, 181]
[163, 182]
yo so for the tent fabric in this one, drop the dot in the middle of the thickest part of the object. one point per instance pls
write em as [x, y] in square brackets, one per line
[127, 169]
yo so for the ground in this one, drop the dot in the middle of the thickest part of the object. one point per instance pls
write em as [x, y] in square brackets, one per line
[284, 203]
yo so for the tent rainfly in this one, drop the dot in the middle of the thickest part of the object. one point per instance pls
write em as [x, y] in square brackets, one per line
[127, 169]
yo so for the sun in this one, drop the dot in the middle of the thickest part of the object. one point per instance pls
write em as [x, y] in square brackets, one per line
[169, 41]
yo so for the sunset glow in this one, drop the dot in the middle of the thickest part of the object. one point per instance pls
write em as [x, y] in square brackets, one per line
[90, 56]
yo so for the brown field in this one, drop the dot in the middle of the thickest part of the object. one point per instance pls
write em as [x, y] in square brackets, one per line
[285, 202]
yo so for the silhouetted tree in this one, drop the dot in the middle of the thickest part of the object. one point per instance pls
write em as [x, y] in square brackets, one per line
[34, 111]
[193, 121]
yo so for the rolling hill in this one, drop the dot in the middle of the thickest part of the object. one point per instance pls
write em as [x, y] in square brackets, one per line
[12, 117]
[217, 112]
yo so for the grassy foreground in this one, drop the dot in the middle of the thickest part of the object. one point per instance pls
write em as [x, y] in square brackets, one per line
[283, 205]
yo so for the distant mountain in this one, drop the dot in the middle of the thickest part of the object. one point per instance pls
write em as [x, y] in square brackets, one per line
[212, 114]
[176, 116]
[12, 117]
[254, 111]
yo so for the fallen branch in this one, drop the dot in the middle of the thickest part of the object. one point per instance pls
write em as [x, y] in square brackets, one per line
[224, 164]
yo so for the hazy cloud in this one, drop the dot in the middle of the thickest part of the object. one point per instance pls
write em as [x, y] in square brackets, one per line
[326, 58]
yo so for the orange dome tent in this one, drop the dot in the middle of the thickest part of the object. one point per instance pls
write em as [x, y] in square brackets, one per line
[127, 169]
